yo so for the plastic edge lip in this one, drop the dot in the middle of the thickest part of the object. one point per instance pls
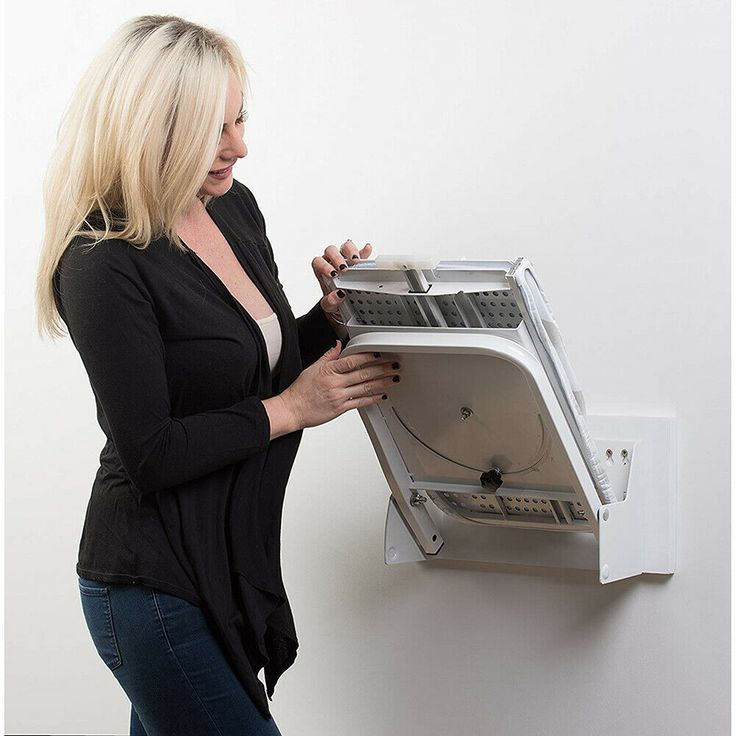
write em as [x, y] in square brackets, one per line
[381, 263]
[499, 347]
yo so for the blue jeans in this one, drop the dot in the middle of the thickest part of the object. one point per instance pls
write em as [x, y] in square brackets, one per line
[162, 651]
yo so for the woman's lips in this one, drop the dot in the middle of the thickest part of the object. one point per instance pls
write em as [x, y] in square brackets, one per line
[222, 173]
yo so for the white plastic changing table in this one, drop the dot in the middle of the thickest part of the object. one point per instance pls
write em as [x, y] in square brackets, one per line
[485, 442]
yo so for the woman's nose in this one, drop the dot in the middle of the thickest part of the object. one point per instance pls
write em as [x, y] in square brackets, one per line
[235, 147]
[238, 150]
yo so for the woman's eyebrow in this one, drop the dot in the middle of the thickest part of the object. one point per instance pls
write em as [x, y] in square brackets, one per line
[240, 112]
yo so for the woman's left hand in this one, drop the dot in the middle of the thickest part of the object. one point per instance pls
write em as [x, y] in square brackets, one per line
[330, 264]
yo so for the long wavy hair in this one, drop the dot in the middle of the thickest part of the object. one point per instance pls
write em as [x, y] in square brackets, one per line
[135, 142]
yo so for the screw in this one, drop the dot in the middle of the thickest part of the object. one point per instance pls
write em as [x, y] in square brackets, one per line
[465, 413]
[417, 499]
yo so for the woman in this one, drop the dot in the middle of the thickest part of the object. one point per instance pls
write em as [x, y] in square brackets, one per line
[203, 379]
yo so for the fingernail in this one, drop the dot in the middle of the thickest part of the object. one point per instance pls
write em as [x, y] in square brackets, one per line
[340, 293]
[394, 365]
[396, 379]
[376, 355]
[343, 265]
[384, 396]
[355, 258]
[333, 273]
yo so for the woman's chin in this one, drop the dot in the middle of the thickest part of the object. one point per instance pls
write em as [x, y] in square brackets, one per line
[216, 188]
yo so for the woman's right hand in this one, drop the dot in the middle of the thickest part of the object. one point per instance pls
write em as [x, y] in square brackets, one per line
[333, 385]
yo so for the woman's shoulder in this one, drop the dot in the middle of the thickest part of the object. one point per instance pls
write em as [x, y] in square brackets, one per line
[89, 270]
[85, 253]
[88, 264]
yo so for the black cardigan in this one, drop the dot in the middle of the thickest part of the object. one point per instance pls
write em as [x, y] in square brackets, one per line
[189, 493]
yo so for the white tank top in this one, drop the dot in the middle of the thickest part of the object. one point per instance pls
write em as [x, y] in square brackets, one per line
[271, 330]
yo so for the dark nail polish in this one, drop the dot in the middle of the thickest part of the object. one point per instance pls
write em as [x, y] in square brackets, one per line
[333, 273]
[340, 293]
[396, 379]
[394, 365]
[384, 396]
[343, 265]
[376, 355]
[355, 258]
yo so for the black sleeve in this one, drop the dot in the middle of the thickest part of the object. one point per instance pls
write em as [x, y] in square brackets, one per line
[112, 323]
[316, 334]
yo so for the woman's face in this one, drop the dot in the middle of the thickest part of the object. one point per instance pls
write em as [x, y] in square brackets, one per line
[231, 146]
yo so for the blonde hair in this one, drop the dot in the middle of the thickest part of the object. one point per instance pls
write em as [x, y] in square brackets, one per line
[136, 141]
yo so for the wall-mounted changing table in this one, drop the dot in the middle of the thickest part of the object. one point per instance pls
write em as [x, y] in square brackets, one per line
[485, 442]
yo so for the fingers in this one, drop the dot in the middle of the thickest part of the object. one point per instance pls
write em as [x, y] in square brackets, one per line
[370, 387]
[364, 374]
[333, 256]
[370, 392]
[354, 403]
[358, 361]
[324, 267]
[363, 378]
[336, 347]
[386, 373]
[338, 260]
[333, 299]
[351, 253]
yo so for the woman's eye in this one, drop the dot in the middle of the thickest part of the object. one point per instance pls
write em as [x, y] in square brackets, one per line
[238, 121]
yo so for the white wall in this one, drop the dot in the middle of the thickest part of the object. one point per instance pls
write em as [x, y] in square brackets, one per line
[591, 137]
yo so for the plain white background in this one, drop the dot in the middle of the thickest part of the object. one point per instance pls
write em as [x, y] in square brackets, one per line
[591, 137]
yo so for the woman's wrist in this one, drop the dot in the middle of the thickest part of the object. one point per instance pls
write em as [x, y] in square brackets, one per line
[283, 420]
[337, 324]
